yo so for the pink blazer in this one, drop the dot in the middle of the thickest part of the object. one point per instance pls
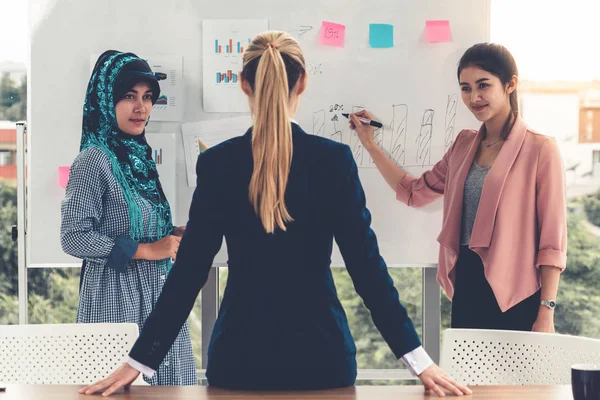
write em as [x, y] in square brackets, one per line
[521, 220]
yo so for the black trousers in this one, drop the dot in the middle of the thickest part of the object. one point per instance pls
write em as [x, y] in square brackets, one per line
[474, 305]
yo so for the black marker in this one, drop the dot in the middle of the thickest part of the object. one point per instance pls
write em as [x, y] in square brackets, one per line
[366, 121]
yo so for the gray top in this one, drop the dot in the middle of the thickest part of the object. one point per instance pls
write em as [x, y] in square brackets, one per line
[472, 194]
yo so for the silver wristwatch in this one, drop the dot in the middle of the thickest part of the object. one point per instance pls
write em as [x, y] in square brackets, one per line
[551, 304]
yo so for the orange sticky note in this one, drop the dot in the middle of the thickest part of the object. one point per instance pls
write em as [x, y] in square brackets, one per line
[438, 31]
[63, 176]
[332, 34]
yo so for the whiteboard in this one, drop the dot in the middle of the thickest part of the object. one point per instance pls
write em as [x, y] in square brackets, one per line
[411, 88]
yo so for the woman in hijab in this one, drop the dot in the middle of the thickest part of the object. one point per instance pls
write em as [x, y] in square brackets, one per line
[115, 215]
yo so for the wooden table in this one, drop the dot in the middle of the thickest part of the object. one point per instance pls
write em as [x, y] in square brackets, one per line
[69, 392]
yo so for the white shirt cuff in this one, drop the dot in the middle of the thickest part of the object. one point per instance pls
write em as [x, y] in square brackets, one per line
[417, 361]
[147, 371]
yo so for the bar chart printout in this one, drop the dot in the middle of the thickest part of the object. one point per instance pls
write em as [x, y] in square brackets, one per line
[227, 77]
[164, 149]
[224, 44]
[230, 47]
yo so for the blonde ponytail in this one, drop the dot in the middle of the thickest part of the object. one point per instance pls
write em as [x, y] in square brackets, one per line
[272, 131]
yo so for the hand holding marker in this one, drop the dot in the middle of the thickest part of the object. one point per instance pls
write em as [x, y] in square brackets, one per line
[366, 121]
[363, 123]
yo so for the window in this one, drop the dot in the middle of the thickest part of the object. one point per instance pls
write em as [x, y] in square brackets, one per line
[589, 124]
[559, 99]
[596, 163]
[12, 107]
[5, 158]
[9, 306]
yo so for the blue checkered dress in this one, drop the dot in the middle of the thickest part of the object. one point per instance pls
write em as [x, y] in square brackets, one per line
[94, 218]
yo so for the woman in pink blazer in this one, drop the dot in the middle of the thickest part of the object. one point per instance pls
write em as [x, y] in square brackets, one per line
[504, 236]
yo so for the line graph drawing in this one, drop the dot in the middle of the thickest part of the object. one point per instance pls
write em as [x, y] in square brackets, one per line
[399, 133]
[423, 141]
[318, 123]
[450, 120]
[395, 138]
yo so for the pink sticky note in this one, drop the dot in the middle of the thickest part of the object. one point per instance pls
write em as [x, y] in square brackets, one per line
[63, 176]
[332, 34]
[438, 31]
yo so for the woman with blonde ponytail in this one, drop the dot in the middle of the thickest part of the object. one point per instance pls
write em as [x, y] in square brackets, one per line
[272, 132]
[279, 196]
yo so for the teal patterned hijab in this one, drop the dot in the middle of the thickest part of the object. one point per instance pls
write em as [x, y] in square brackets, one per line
[130, 155]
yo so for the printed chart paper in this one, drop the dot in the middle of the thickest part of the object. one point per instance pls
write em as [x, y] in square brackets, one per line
[200, 136]
[163, 151]
[224, 43]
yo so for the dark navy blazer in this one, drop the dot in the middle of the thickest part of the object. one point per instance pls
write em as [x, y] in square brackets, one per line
[280, 324]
